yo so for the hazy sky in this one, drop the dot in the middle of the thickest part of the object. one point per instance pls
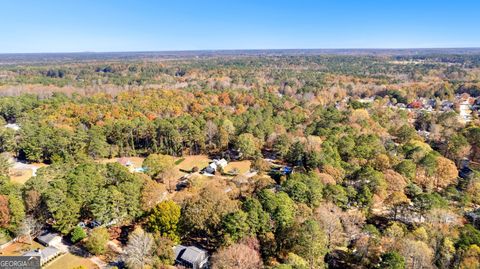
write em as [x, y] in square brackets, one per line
[136, 25]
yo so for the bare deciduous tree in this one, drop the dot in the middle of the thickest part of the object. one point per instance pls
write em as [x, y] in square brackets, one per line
[29, 228]
[417, 254]
[211, 131]
[238, 256]
[138, 252]
[328, 216]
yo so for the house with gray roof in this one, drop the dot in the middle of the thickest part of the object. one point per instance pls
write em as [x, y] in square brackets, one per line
[49, 239]
[47, 254]
[191, 257]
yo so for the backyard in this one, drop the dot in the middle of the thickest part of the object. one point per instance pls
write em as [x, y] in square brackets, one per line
[241, 166]
[69, 261]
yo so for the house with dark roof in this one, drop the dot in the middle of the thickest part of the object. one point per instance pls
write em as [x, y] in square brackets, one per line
[47, 254]
[474, 218]
[191, 257]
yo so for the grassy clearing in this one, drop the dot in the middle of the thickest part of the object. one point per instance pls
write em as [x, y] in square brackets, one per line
[186, 163]
[179, 161]
[136, 161]
[68, 261]
[189, 162]
[21, 176]
[242, 166]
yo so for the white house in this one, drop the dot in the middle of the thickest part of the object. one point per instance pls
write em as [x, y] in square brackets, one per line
[12, 126]
[215, 165]
[47, 254]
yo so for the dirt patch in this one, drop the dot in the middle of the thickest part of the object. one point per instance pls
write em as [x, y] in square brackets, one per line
[18, 248]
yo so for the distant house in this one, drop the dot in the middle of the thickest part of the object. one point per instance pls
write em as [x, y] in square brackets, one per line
[447, 105]
[191, 257]
[286, 170]
[215, 165]
[221, 163]
[283, 170]
[211, 168]
[465, 171]
[96, 223]
[12, 126]
[125, 161]
[401, 105]
[140, 170]
[47, 254]
[49, 239]
[415, 104]
[424, 134]
[366, 100]
[474, 217]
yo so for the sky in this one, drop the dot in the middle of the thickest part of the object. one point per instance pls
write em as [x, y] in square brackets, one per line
[141, 25]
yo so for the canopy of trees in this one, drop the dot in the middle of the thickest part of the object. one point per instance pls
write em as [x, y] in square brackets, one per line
[341, 175]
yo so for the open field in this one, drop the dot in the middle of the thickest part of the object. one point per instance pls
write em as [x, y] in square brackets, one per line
[189, 162]
[136, 161]
[184, 163]
[68, 261]
[21, 172]
[242, 166]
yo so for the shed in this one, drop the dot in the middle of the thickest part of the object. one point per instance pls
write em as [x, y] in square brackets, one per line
[191, 257]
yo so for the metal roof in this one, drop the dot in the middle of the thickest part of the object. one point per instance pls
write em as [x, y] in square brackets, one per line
[191, 255]
[46, 237]
[44, 254]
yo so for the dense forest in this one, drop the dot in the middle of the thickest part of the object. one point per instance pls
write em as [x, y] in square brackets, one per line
[365, 186]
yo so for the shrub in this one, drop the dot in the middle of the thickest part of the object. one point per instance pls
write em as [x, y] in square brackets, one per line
[97, 241]
[77, 234]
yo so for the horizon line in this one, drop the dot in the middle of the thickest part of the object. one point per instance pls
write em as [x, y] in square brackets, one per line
[247, 49]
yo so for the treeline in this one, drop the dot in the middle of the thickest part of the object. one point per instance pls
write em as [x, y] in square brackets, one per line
[61, 128]
[243, 72]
